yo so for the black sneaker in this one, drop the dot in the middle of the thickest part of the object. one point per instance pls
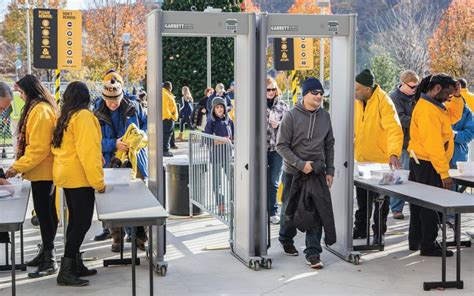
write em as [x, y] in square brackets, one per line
[290, 250]
[314, 262]
[167, 154]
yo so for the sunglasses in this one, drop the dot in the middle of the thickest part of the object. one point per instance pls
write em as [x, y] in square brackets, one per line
[271, 89]
[412, 87]
[317, 92]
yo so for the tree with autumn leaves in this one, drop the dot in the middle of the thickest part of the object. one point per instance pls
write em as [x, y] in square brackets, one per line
[104, 24]
[452, 45]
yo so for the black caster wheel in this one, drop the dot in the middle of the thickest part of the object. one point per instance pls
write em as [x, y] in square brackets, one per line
[354, 259]
[267, 263]
[163, 270]
[256, 266]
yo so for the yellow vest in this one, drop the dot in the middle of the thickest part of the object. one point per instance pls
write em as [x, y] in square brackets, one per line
[136, 140]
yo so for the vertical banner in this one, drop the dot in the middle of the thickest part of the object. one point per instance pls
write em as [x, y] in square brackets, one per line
[45, 38]
[304, 55]
[283, 54]
[70, 40]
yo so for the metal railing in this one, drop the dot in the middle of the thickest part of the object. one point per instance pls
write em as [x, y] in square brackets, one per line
[7, 135]
[211, 175]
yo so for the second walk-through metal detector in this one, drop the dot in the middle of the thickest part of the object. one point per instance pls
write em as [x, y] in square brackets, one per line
[251, 33]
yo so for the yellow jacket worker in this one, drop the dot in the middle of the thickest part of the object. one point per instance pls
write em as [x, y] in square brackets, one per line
[34, 161]
[78, 170]
[378, 138]
[170, 115]
[466, 94]
[431, 140]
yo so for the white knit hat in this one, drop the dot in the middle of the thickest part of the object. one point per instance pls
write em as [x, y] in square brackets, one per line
[112, 90]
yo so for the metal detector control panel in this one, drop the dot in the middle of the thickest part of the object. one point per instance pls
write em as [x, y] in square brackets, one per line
[187, 23]
[285, 25]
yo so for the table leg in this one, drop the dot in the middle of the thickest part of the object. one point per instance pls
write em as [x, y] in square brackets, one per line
[448, 284]
[150, 255]
[7, 255]
[368, 218]
[22, 246]
[465, 243]
[121, 243]
[13, 264]
[443, 260]
[458, 251]
[379, 228]
[134, 255]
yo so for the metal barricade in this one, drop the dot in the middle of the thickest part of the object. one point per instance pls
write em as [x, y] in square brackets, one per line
[7, 135]
[211, 175]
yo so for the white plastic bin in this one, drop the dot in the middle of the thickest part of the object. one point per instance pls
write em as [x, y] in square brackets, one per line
[117, 176]
[363, 169]
[11, 191]
[466, 168]
[390, 177]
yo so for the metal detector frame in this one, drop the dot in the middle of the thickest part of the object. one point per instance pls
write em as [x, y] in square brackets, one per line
[251, 33]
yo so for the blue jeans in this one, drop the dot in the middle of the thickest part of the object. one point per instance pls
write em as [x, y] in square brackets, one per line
[288, 231]
[273, 179]
[396, 204]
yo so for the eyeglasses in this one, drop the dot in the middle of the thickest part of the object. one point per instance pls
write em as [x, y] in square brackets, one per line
[412, 87]
[317, 92]
[271, 89]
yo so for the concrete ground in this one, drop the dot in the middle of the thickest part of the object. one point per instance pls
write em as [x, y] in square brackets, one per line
[194, 270]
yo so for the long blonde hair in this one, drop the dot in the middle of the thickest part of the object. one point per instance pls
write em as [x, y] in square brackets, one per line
[220, 89]
[187, 93]
[272, 81]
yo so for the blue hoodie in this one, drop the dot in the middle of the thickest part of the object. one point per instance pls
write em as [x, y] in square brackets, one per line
[463, 135]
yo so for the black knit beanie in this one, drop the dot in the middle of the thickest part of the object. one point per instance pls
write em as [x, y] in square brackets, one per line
[366, 78]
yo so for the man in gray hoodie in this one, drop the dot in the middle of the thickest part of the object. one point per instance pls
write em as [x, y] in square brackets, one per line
[305, 136]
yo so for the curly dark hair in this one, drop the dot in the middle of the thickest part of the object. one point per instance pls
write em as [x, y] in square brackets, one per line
[34, 91]
[76, 97]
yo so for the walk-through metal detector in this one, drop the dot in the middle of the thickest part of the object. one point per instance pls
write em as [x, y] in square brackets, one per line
[251, 35]
[341, 30]
[249, 243]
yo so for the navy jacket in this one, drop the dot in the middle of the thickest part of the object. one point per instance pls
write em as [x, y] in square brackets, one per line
[404, 106]
[222, 127]
[114, 124]
[186, 108]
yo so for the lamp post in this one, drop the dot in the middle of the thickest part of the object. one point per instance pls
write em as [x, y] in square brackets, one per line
[209, 58]
[126, 44]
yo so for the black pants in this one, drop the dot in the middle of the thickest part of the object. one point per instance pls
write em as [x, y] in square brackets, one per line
[423, 222]
[80, 202]
[361, 213]
[185, 120]
[44, 194]
[168, 126]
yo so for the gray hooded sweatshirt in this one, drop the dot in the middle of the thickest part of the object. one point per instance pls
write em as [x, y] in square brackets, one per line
[306, 136]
